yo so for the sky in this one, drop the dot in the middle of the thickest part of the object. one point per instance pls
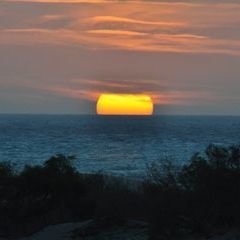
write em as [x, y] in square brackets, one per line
[58, 56]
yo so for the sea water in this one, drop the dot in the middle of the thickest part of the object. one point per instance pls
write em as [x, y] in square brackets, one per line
[120, 145]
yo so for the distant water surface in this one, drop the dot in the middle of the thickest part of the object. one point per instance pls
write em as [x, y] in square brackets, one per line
[117, 145]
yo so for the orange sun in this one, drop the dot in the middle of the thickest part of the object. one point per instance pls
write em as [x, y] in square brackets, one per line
[124, 104]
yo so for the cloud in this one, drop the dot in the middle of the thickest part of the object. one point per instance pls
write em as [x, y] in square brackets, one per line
[159, 98]
[185, 2]
[180, 53]
[90, 90]
[116, 32]
[55, 1]
[121, 39]
[162, 27]
[122, 20]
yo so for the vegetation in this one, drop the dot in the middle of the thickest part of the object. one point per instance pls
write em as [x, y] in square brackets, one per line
[200, 197]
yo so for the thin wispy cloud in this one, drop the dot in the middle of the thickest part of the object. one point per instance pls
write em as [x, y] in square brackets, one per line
[116, 32]
[153, 30]
[180, 53]
[160, 98]
[114, 19]
[56, 1]
[121, 39]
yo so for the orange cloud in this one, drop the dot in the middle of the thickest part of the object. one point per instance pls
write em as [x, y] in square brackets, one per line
[158, 97]
[58, 1]
[116, 32]
[161, 27]
[126, 40]
[114, 19]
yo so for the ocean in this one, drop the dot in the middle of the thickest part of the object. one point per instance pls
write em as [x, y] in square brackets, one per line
[119, 145]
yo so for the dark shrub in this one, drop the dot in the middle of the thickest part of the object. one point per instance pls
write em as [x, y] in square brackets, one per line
[117, 201]
[164, 200]
[212, 186]
[6, 170]
[201, 196]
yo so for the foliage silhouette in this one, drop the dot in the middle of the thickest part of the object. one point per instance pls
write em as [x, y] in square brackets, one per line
[199, 197]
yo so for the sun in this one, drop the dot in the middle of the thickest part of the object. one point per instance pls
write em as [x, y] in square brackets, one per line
[124, 104]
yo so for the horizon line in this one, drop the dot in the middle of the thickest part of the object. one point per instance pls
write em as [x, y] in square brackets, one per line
[93, 114]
